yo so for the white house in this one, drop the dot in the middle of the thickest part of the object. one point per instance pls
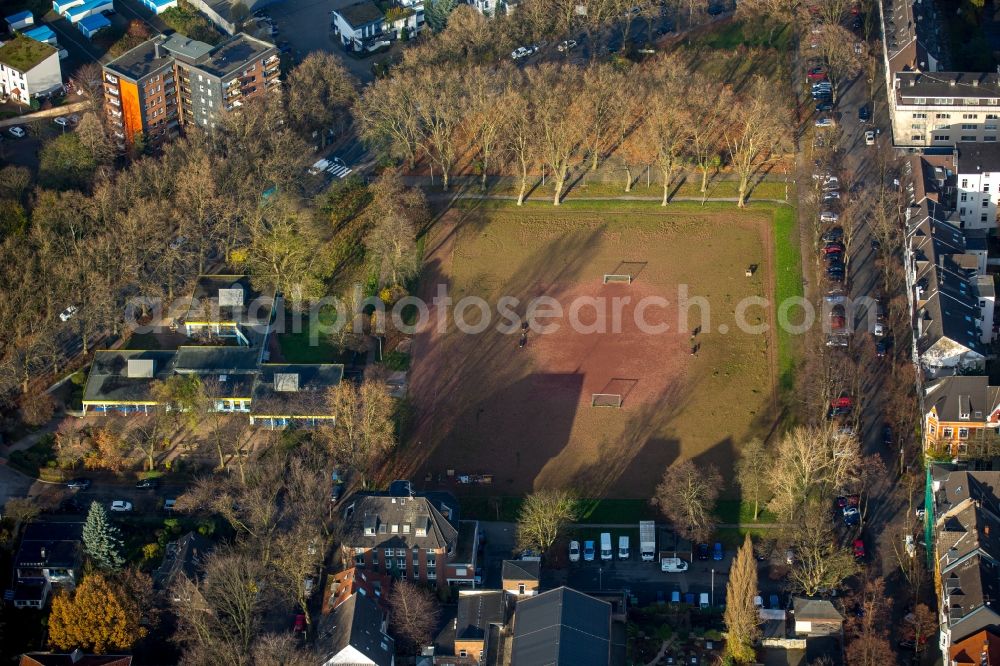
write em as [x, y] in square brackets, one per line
[28, 69]
[359, 26]
[977, 167]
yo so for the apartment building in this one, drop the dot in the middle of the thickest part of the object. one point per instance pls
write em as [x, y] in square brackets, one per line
[977, 167]
[28, 69]
[414, 536]
[951, 296]
[962, 417]
[168, 82]
[965, 517]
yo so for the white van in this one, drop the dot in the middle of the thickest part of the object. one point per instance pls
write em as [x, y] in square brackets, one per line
[703, 600]
[606, 552]
[623, 548]
[319, 167]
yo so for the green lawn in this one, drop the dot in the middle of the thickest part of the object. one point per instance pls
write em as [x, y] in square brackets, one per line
[689, 188]
[737, 512]
[297, 347]
[788, 279]
[32, 460]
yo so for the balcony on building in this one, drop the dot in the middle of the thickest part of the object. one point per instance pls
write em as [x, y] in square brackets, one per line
[110, 78]
[114, 102]
[112, 90]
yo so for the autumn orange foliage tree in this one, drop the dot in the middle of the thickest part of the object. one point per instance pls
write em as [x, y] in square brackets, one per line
[98, 617]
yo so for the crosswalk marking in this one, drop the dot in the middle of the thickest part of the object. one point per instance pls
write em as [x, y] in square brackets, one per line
[338, 171]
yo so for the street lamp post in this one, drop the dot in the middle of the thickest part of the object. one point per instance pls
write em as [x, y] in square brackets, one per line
[713, 588]
[600, 578]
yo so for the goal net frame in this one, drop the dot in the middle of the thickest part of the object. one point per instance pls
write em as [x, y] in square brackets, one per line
[606, 400]
[617, 277]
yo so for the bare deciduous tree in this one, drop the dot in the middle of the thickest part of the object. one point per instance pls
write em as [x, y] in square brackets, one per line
[810, 462]
[320, 93]
[820, 562]
[756, 128]
[751, 472]
[392, 217]
[868, 630]
[686, 496]
[413, 613]
[364, 431]
[544, 516]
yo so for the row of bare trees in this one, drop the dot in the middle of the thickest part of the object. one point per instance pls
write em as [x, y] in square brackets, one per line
[563, 119]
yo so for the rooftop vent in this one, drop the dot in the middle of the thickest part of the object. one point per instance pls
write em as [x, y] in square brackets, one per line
[139, 368]
[231, 298]
[286, 381]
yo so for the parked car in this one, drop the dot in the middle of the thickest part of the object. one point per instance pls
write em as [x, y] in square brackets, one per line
[843, 401]
[61, 121]
[870, 138]
[881, 347]
[337, 491]
[78, 484]
[566, 46]
[864, 115]
[876, 245]
[816, 74]
[847, 500]
[823, 122]
[73, 119]
[833, 247]
[717, 552]
[16, 132]
[834, 234]
[121, 505]
[520, 52]
[828, 216]
[574, 551]
[588, 551]
[702, 551]
[68, 313]
[851, 516]
[146, 483]
[909, 545]
[859, 549]
[168, 504]
[300, 623]
[715, 10]
[823, 107]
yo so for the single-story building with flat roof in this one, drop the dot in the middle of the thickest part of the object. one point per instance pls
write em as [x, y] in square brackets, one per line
[20, 21]
[42, 33]
[93, 24]
[288, 393]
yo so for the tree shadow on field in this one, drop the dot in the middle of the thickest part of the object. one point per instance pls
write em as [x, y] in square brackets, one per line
[641, 453]
[456, 374]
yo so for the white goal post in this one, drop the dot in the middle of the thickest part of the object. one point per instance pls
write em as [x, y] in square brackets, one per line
[613, 277]
[606, 400]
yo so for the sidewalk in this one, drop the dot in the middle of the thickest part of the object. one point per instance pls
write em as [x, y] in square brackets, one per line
[31, 439]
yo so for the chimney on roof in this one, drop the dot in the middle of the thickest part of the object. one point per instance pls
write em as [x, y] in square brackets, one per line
[156, 50]
[42, 552]
[975, 82]
[952, 82]
[913, 81]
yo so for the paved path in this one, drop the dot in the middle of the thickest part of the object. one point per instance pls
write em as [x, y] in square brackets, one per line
[626, 526]
[47, 113]
[453, 195]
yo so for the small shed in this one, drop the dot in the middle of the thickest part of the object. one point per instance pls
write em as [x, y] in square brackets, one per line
[93, 24]
[42, 33]
[816, 617]
[20, 21]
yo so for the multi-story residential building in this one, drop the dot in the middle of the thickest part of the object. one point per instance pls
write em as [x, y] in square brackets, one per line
[950, 294]
[965, 516]
[28, 69]
[168, 82]
[355, 632]
[977, 175]
[962, 418]
[50, 554]
[481, 616]
[414, 536]
[362, 26]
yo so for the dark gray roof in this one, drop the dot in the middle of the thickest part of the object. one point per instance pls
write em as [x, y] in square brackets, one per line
[59, 541]
[562, 626]
[971, 395]
[109, 381]
[371, 517]
[356, 622]
[977, 157]
[213, 359]
[815, 609]
[972, 586]
[960, 485]
[521, 569]
[948, 84]
[307, 399]
[234, 54]
[255, 309]
[141, 61]
[477, 610]
[361, 13]
[183, 556]
[29, 590]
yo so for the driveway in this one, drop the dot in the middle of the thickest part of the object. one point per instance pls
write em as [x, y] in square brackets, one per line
[13, 484]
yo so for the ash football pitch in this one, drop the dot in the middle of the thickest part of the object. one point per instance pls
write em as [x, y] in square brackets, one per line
[485, 404]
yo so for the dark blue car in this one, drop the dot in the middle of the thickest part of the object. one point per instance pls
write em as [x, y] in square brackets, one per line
[717, 551]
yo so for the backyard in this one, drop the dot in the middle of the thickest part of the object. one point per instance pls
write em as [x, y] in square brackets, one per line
[527, 408]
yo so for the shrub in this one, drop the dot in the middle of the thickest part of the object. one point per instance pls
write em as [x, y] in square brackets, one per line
[37, 409]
